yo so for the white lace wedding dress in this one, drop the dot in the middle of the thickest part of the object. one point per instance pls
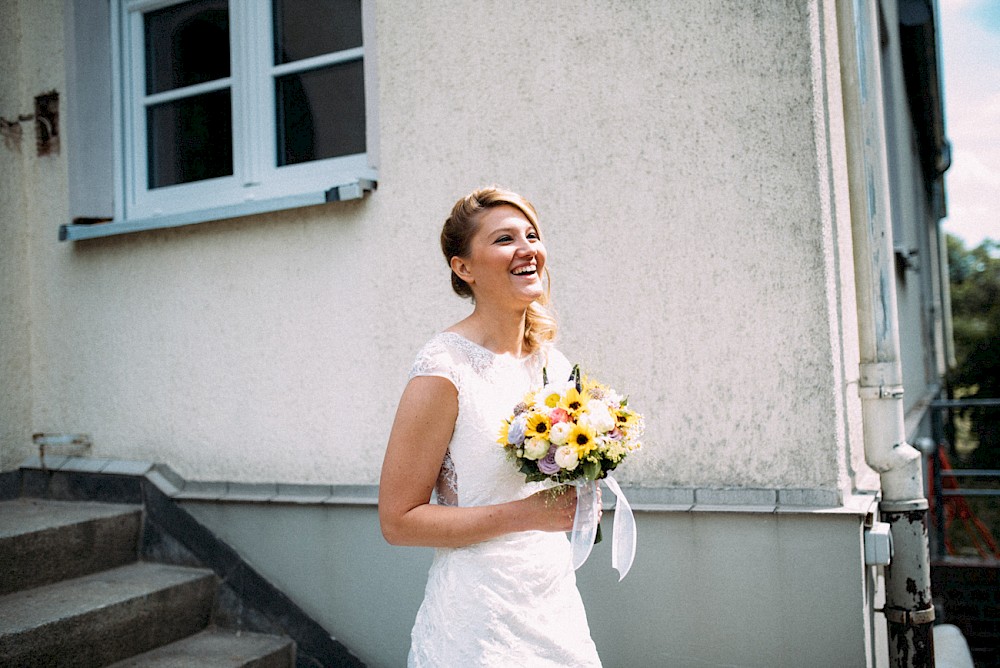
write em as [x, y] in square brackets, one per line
[512, 600]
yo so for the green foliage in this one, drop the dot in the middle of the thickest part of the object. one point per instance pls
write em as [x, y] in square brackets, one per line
[591, 469]
[975, 305]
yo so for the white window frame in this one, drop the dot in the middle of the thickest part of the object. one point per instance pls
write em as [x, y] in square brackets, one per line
[257, 184]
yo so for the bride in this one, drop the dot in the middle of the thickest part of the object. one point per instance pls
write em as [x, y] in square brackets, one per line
[501, 590]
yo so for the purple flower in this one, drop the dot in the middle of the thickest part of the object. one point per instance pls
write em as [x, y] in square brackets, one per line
[547, 464]
[515, 433]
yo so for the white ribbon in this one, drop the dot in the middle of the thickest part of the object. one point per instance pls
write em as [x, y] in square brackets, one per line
[587, 518]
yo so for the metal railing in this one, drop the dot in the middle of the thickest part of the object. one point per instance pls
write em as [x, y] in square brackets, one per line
[942, 473]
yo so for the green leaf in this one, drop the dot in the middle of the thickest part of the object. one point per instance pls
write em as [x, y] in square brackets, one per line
[591, 469]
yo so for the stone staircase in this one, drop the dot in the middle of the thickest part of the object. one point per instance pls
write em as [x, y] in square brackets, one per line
[73, 591]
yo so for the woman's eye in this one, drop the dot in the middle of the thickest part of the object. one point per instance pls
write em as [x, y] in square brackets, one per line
[504, 239]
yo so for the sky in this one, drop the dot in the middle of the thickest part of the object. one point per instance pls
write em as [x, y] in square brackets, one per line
[969, 40]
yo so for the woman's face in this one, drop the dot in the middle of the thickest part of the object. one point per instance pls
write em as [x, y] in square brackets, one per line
[505, 260]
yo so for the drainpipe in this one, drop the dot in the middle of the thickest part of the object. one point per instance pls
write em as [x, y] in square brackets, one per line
[908, 608]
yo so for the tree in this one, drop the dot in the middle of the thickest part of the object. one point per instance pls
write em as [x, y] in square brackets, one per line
[975, 305]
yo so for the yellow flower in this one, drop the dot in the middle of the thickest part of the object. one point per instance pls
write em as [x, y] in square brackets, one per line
[624, 419]
[538, 426]
[548, 397]
[502, 438]
[593, 389]
[572, 402]
[583, 439]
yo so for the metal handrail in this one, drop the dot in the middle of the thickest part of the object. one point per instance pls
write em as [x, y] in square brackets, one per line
[939, 492]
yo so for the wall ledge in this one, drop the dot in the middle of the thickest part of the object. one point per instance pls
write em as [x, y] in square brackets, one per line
[642, 499]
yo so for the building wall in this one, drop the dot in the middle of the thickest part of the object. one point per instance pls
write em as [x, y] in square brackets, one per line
[31, 188]
[915, 232]
[686, 165]
[687, 160]
[707, 589]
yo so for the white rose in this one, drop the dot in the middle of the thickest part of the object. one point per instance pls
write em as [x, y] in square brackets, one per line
[559, 432]
[535, 448]
[566, 458]
[599, 416]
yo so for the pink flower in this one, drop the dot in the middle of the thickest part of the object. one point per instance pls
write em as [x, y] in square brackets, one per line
[557, 415]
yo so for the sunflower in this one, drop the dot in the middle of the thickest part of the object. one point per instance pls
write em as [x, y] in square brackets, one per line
[502, 437]
[572, 402]
[624, 419]
[538, 426]
[583, 439]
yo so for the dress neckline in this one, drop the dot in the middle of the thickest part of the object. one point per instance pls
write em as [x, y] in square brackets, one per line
[477, 346]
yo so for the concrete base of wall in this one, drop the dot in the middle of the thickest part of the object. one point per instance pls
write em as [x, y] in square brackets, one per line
[758, 585]
[706, 589]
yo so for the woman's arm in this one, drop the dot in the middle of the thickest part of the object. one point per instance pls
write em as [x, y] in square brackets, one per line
[418, 442]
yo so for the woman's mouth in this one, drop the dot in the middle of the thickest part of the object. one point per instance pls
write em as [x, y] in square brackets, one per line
[525, 270]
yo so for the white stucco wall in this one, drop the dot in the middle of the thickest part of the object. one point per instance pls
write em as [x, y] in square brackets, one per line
[30, 186]
[685, 161]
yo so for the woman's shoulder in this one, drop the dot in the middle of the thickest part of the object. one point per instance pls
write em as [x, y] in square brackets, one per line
[447, 353]
[435, 358]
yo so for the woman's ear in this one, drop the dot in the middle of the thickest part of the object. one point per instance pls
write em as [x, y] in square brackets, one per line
[461, 269]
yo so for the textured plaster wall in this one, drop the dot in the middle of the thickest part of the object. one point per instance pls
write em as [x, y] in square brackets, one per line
[30, 188]
[684, 159]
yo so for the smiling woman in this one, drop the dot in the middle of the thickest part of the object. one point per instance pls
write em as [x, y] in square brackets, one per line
[508, 224]
[502, 589]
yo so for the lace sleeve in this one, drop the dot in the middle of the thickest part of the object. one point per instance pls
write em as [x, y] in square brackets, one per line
[434, 359]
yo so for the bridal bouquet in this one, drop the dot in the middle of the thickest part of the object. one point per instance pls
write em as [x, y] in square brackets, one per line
[580, 429]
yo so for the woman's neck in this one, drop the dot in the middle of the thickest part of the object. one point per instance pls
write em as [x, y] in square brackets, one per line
[499, 331]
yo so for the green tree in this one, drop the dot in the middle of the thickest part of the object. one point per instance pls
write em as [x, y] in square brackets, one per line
[975, 306]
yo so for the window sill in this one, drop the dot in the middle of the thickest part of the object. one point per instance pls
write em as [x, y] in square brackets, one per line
[352, 190]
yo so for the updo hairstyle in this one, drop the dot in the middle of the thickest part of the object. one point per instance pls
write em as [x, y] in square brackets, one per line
[456, 235]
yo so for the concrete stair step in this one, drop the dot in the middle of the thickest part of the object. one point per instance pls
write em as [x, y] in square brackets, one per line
[43, 541]
[215, 648]
[104, 617]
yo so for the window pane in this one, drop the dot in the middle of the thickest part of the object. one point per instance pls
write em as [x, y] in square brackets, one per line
[307, 28]
[187, 44]
[190, 139]
[321, 113]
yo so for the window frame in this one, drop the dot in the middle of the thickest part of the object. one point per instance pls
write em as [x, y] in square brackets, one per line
[257, 184]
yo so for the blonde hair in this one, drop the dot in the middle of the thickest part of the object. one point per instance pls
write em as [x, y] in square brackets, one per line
[539, 324]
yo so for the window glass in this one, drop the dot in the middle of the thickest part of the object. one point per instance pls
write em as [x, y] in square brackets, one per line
[307, 28]
[190, 139]
[321, 113]
[186, 44]
[239, 103]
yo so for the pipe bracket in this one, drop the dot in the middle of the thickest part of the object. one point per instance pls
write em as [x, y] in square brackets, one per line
[880, 391]
[903, 506]
[909, 617]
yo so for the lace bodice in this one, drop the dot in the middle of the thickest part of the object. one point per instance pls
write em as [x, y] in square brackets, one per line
[511, 600]
[475, 470]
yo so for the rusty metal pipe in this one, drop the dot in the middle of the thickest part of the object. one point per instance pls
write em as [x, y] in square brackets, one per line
[908, 609]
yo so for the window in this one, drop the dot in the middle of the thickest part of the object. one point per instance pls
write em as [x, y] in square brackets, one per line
[229, 107]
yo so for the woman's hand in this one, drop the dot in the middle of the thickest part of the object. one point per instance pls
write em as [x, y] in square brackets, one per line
[550, 509]
[555, 509]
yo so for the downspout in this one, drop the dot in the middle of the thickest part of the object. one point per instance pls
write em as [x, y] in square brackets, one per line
[903, 506]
